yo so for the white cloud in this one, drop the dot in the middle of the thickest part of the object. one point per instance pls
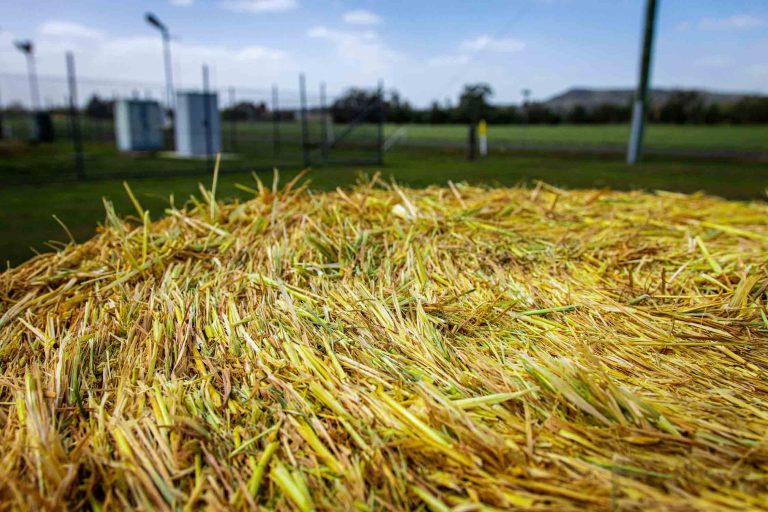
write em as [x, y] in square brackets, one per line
[128, 65]
[362, 17]
[182, 3]
[735, 22]
[68, 29]
[258, 6]
[489, 43]
[364, 52]
[448, 60]
[469, 47]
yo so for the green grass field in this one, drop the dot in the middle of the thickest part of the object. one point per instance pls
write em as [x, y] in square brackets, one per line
[244, 135]
[26, 211]
[695, 137]
[250, 146]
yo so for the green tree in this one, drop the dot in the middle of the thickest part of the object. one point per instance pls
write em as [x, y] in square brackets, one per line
[682, 107]
[98, 108]
[356, 104]
[473, 103]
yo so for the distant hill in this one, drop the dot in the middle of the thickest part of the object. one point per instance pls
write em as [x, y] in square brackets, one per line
[590, 98]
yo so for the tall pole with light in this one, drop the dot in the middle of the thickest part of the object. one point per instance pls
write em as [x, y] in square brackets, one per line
[42, 125]
[28, 49]
[155, 22]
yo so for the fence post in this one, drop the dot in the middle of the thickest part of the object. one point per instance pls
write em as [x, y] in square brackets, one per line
[232, 120]
[2, 127]
[380, 135]
[74, 118]
[207, 120]
[324, 123]
[275, 126]
[472, 142]
[304, 120]
[635, 146]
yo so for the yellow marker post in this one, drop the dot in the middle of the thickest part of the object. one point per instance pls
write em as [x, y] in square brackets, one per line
[482, 131]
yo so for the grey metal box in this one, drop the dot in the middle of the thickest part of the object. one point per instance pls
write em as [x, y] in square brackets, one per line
[138, 125]
[194, 111]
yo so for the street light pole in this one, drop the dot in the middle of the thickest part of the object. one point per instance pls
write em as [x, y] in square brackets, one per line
[27, 48]
[155, 22]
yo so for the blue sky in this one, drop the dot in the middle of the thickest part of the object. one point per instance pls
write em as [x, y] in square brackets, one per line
[427, 50]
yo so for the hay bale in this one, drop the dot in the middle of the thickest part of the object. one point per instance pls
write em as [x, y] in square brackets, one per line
[382, 348]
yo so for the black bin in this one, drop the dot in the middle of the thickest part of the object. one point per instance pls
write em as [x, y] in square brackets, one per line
[42, 127]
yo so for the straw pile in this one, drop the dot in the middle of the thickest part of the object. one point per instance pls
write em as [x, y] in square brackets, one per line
[388, 349]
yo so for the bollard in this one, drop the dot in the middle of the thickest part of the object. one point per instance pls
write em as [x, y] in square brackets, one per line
[482, 129]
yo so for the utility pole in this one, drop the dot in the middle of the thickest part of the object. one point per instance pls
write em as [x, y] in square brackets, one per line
[635, 148]
[155, 22]
[28, 49]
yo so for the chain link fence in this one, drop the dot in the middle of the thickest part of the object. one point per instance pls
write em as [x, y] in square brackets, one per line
[259, 129]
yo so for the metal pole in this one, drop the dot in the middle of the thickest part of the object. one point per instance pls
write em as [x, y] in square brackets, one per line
[304, 121]
[171, 99]
[324, 122]
[34, 89]
[635, 148]
[232, 120]
[380, 135]
[526, 113]
[275, 125]
[471, 142]
[74, 118]
[2, 127]
[207, 120]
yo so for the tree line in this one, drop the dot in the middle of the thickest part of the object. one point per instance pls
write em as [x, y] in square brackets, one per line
[681, 107]
[363, 105]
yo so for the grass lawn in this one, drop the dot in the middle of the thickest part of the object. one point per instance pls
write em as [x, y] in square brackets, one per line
[658, 136]
[719, 137]
[243, 135]
[26, 211]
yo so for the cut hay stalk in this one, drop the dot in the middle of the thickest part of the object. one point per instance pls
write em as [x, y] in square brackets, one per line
[383, 348]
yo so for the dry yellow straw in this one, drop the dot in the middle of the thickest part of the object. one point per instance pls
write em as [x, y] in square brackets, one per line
[382, 348]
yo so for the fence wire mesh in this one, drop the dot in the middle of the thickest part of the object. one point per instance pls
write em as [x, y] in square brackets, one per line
[260, 128]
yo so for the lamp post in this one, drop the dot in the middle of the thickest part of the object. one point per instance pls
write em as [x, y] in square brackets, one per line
[28, 49]
[42, 125]
[155, 22]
